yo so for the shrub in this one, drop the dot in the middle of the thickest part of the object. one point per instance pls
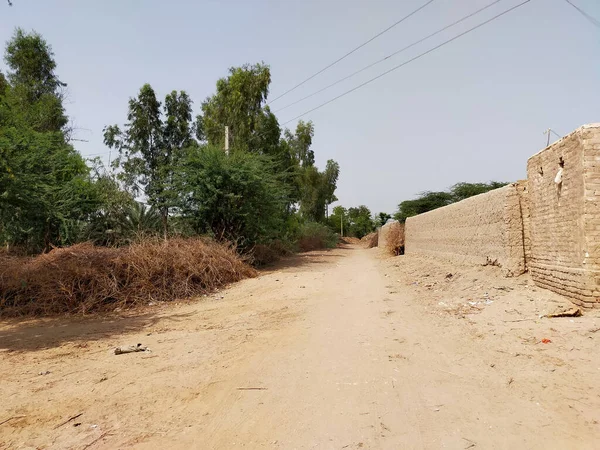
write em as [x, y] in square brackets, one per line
[237, 198]
[85, 278]
[263, 254]
[316, 236]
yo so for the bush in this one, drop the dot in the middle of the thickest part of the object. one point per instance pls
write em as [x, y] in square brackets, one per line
[85, 278]
[236, 198]
[315, 236]
[263, 254]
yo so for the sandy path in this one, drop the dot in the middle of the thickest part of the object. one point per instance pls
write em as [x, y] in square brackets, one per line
[337, 350]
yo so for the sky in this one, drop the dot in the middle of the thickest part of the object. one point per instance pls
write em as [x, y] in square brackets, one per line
[473, 110]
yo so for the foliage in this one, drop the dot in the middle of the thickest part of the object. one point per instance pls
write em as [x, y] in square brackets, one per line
[236, 198]
[45, 188]
[461, 191]
[428, 201]
[151, 145]
[315, 236]
[238, 105]
[357, 221]
[382, 218]
[171, 174]
[360, 221]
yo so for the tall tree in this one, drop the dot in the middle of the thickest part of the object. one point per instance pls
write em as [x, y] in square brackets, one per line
[150, 146]
[237, 104]
[45, 188]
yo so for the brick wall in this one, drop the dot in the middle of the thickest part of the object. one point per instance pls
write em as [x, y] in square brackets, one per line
[565, 217]
[484, 229]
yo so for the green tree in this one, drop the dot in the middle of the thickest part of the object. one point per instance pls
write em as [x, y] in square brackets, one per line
[151, 145]
[338, 219]
[427, 201]
[382, 218]
[461, 191]
[237, 198]
[360, 221]
[238, 104]
[45, 187]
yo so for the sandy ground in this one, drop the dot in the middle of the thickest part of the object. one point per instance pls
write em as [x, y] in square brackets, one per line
[333, 350]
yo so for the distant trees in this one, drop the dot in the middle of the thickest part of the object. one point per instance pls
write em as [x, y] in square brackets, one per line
[427, 201]
[357, 221]
[382, 218]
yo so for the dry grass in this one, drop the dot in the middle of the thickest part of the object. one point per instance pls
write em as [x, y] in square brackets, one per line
[84, 278]
[371, 240]
[394, 242]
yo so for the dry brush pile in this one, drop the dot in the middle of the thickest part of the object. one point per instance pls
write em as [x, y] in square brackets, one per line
[85, 278]
[371, 240]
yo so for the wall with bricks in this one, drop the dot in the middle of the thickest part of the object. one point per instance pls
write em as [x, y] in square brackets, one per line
[565, 216]
[484, 229]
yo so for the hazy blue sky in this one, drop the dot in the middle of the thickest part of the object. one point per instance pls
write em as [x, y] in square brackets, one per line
[474, 110]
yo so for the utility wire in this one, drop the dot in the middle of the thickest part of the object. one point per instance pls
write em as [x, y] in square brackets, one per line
[592, 19]
[352, 51]
[389, 56]
[408, 61]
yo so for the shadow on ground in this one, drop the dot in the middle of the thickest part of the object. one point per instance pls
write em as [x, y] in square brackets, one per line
[39, 334]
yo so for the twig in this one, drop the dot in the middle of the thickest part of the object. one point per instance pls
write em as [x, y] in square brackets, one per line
[102, 436]
[252, 389]
[517, 320]
[11, 418]
[68, 420]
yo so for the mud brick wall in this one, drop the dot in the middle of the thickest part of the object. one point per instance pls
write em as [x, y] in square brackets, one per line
[525, 204]
[565, 217]
[484, 229]
[391, 236]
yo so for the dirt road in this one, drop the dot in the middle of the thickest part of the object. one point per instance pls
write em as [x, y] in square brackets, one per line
[333, 350]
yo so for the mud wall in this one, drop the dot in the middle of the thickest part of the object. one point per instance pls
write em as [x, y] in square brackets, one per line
[484, 229]
[565, 216]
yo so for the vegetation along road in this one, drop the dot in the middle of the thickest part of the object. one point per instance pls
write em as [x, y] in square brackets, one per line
[330, 350]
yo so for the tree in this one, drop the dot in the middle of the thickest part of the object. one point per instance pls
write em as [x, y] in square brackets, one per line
[36, 94]
[427, 201]
[236, 198]
[45, 187]
[238, 104]
[382, 218]
[360, 220]
[461, 191]
[338, 219]
[151, 145]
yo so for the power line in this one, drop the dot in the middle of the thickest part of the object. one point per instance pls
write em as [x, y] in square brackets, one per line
[408, 61]
[352, 51]
[592, 19]
[389, 56]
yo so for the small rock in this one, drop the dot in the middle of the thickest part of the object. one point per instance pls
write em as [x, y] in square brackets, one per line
[47, 372]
